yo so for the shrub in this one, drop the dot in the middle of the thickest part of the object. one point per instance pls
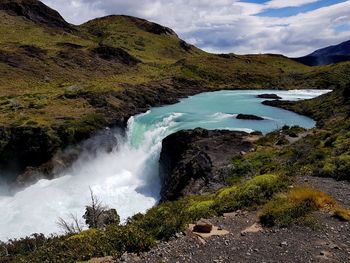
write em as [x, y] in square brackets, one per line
[316, 198]
[165, 220]
[131, 238]
[201, 209]
[342, 214]
[281, 212]
[336, 167]
[254, 192]
[295, 207]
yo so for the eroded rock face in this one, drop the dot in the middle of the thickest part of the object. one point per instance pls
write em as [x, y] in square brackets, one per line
[197, 161]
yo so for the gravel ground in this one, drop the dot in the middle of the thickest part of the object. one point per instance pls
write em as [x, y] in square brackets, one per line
[329, 243]
[339, 190]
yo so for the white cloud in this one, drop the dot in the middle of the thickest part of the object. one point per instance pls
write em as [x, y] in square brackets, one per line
[283, 3]
[226, 25]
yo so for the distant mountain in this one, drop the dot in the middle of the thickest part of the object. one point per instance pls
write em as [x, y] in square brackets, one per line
[328, 55]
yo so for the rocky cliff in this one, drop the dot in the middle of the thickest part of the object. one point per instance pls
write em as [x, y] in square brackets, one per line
[197, 161]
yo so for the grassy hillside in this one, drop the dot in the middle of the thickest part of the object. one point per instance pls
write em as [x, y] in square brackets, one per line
[59, 83]
[67, 81]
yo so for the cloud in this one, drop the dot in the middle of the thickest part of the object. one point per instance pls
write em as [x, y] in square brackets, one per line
[227, 25]
[283, 3]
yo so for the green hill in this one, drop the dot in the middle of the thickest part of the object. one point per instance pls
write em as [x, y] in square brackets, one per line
[65, 81]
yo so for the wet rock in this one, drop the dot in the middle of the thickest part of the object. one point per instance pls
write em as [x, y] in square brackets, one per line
[249, 117]
[269, 96]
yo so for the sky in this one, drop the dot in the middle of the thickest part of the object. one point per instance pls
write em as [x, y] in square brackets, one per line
[293, 28]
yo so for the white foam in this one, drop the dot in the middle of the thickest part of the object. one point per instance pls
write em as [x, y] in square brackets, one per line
[222, 115]
[301, 94]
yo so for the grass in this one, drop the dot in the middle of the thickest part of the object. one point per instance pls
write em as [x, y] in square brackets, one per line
[34, 92]
[297, 206]
[39, 81]
[141, 231]
[50, 73]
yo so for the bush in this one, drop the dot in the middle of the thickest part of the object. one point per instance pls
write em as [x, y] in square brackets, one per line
[131, 238]
[342, 214]
[295, 207]
[201, 209]
[114, 240]
[165, 220]
[254, 192]
[336, 167]
[281, 212]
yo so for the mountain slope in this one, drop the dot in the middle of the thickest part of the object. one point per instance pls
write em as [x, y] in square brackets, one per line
[36, 12]
[65, 81]
[329, 55]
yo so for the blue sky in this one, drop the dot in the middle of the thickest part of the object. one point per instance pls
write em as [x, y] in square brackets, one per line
[290, 11]
[293, 28]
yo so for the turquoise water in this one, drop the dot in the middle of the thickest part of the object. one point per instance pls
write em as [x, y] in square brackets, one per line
[127, 178]
[218, 110]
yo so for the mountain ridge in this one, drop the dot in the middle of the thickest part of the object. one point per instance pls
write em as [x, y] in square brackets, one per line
[35, 11]
[328, 55]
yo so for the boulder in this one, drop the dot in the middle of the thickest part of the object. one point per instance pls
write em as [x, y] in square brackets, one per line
[249, 117]
[203, 226]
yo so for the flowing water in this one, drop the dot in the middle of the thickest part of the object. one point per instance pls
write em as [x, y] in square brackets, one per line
[127, 178]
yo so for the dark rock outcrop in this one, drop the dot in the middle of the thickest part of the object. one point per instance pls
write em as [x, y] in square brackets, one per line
[278, 103]
[102, 141]
[198, 161]
[249, 117]
[116, 55]
[185, 46]
[269, 96]
[151, 27]
[35, 11]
